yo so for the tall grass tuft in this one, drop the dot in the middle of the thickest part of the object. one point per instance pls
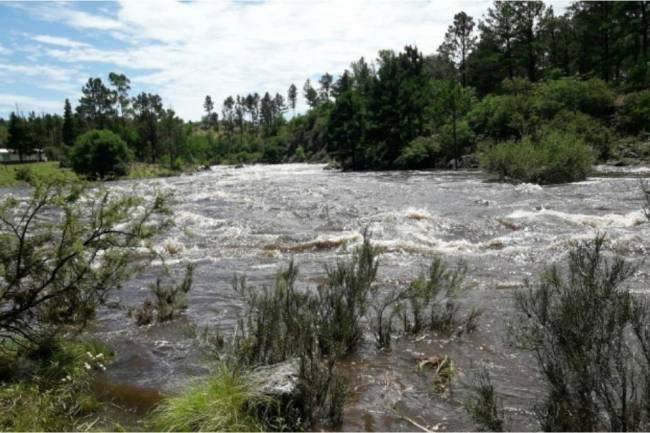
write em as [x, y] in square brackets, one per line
[224, 401]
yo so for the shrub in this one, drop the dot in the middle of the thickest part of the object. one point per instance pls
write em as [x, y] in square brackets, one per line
[594, 133]
[63, 249]
[555, 157]
[501, 117]
[419, 153]
[282, 323]
[343, 300]
[634, 114]
[169, 300]
[25, 174]
[463, 142]
[483, 404]
[427, 303]
[593, 97]
[100, 153]
[591, 339]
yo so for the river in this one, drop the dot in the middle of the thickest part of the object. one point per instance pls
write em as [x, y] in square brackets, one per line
[253, 220]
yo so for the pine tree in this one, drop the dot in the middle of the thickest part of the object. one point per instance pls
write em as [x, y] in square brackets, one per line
[67, 131]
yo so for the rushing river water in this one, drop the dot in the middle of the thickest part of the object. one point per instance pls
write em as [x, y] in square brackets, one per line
[253, 220]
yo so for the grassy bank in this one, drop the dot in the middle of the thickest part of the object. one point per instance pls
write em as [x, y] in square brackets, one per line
[20, 174]
[23, 174]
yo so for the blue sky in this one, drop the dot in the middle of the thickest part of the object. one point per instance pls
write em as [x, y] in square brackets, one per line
[184, 51]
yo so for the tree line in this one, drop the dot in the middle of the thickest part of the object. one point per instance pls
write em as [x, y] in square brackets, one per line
[514, 74]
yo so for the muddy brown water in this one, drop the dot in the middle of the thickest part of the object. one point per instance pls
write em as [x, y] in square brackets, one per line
[253, 220]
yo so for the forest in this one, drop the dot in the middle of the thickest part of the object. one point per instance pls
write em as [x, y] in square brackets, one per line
[521, 80]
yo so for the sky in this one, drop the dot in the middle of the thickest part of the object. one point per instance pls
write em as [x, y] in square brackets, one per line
[186, 50]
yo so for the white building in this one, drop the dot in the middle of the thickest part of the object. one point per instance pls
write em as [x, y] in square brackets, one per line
[8, 156]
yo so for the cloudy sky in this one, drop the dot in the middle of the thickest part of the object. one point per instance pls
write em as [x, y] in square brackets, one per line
[184, 51]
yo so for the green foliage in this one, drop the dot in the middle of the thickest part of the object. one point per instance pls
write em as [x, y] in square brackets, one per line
[55, 392]
[169, 300]
[592, 132]
[283, 323]
[456, 139]
[591, 341]
[428, 303]
[419, 153]
[224, 401]
[64, 249]
[503, 116]
[634, 115]
[483, 404]
[592, 97]
[556, 157]
[15, 174]
[99, 154]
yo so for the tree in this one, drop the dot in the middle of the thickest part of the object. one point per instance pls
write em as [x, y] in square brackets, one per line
[100, 153]
[325, 86]
[501, 26]
[310, 94]
[292, 97]
[122, 85]
[63, 250]
[208, 105]
[96, 106]
[528, 15]
[67, 131]
[19, 140]
[148, 109]
[459, 42]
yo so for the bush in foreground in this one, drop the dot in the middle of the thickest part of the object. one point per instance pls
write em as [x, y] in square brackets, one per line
[100, 154]
[591, 339]
[555, 157]
[55, 392]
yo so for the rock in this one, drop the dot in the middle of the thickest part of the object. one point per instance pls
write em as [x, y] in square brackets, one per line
[239, 166]
[277, 380]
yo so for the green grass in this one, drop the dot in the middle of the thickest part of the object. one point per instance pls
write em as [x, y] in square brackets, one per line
[21, 174]
[222, 402]
[141, 170]
[49, 388]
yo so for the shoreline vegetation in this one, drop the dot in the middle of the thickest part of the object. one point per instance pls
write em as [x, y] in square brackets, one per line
[523, 87]
[525, 94]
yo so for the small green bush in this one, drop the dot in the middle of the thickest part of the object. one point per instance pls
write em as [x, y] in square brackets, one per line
[169, 300]
[634, 115]
[100, 154]
[555, 157]
[419, 153]
[483, 404]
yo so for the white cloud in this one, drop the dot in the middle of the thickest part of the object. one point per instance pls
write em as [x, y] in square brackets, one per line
[59, 41]
[11, 102]
[4, 50]
[188, 50]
